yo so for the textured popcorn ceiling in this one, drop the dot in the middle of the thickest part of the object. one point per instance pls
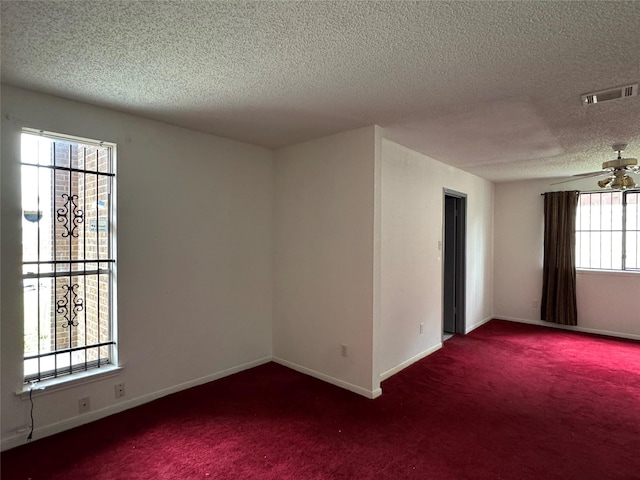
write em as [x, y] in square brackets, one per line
[491, 87]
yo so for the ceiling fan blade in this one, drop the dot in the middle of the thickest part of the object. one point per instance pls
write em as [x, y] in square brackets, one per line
[592, 174]
[581, 176]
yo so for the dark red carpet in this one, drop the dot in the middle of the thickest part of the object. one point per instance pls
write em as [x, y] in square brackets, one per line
[508, 401]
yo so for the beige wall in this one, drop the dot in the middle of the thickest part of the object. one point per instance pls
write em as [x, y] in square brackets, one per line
[411, 266]
[608, 302]
[194, 251]
[324, 258]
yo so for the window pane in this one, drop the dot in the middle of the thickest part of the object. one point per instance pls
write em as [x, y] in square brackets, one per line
[36, 214]
[36, 150]
[616, 211]
[64, 154]
[633, 246]
[633, 212]
[599, 230]
[595, 212]
[632, 252]
[66, 195]
[583, 249]
[612, 251]
[584, 213]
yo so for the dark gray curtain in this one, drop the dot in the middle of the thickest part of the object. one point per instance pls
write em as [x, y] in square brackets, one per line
[559, 271]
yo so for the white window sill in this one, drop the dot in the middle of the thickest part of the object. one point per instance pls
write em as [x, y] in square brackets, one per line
[62, 383]
[619, 273]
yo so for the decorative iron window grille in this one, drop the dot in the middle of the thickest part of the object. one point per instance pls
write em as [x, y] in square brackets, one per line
[608, 231]
[68, 254]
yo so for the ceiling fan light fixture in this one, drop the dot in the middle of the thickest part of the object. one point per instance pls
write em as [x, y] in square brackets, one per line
[622, 182]
[630, 182]
[605, 182]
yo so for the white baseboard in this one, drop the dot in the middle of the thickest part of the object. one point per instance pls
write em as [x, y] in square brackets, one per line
[48, 430]
[572, 328]
[412, 360]
[332, 380]
[479, 324]
[426, 353]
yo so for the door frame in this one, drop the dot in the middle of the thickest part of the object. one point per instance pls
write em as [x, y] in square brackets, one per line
[461, 255]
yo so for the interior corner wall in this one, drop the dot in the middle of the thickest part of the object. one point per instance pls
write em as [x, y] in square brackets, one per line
[324, 258]
[411, 262]
[519, 236]
[194, 259]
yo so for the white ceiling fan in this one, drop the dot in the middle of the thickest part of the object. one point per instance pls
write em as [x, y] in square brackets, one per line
[617, 172]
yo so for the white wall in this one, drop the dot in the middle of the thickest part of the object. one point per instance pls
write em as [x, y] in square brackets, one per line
[608, 302]
[411, 266]
[324, 258]
[194, 251]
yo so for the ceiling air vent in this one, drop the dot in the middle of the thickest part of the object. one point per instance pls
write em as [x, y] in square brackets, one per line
[612, 94]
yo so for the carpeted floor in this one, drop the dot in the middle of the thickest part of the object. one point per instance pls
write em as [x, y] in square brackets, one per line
[507, 401]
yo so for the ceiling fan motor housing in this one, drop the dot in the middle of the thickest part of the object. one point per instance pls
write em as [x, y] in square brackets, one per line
[619, 163]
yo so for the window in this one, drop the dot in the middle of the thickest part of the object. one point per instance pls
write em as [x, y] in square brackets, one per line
[68, 254]
[608, 231]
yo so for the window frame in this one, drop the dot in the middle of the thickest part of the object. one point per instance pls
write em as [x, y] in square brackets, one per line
[76, 268]
[624, 230]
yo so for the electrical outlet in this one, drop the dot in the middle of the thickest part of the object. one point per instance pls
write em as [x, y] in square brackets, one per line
[422, 328]
[84, 405]
[119, 388]
[344, 350]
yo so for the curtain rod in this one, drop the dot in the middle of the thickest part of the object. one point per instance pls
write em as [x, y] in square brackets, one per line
[596, 191]
[577, 191]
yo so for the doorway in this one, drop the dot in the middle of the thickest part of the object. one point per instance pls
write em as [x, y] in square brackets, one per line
[455, 221]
